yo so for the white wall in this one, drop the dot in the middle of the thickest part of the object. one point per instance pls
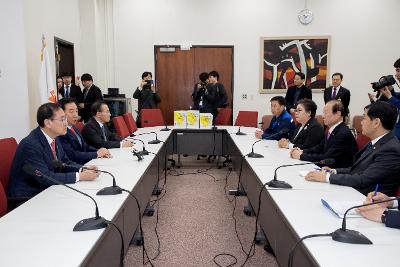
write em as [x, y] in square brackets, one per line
[14, 103]
[355, 27]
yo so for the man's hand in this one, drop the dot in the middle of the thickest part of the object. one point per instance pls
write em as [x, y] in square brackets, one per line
[283, 143]
[386, 92]
[153, 89]
[103, 153]
[316, 176]
[296, 153]
[371, 97]
[379, 197]
[126, 143]
[258, 134]
[142, 82]
[292, 111]
[372, 213]
[88, 174]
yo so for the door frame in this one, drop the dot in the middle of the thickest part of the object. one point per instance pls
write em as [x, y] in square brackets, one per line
[58, 41]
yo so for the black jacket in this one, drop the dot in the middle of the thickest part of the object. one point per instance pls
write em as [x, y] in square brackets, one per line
[381, 165]
[92, 96]
[74, 92]
[311, 135]
[291, 92]
[341, 146]
[146, 98]
[343, 95]
[93, 135]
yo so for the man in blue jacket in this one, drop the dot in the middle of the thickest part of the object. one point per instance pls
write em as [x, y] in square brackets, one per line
[281, 120]
[72, 142]
[39, 149]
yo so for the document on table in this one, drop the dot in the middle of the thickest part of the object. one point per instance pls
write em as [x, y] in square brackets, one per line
[339, 207]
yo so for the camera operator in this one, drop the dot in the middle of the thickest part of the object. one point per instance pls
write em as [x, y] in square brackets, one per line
[198, 91]
[146, 94]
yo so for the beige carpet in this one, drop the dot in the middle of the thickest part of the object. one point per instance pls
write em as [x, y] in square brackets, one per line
[195, 222]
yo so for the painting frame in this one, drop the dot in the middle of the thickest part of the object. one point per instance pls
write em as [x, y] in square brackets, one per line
[270, 74]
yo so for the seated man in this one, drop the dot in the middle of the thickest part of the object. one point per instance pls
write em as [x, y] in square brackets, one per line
[380, 212]
[281, 121]
[339, 143]
[39, 149]
[96, 133]
[73, 144]
[378, 162]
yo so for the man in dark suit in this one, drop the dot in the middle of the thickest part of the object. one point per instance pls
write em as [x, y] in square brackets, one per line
[336, 91]
[339, 142]
[381, 212]
[69, 89]
[91, 94]
[96, 133]
[377, 164]
[146, 94]
[296, 92]
[281, 120]
[39, 149]
[73, 144]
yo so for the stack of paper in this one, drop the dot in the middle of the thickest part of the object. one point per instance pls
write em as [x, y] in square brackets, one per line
[206, 120]
[179, 119]
[339, 207]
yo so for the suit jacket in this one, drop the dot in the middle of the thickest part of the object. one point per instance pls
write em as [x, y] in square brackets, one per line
[92, 96]
[74, 92]
[35, 150]
[291, 92]
[311, 135]
[75, 151]
[283, 121]
[146, 98]
[341, 146]
[393, 218]
[378, 166]
[93, 135]
[343, 94]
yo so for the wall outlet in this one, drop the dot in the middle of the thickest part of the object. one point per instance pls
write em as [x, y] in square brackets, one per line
[244, 96]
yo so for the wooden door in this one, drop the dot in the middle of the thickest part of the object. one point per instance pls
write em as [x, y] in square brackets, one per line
[65, 59]
[177, 72]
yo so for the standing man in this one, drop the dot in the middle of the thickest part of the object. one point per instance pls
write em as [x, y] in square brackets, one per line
[281, 120]
[91, 94]
[73, 144]
[296, 92]
[146, 94]
[337, 92]
[339, 142]
[69, 89]
[96, 133]
[199, 90]
[39, 149]
[221, 100]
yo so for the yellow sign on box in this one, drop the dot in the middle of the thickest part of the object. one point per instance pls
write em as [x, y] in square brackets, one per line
[192, 117]
[206, 120]
[180, 119]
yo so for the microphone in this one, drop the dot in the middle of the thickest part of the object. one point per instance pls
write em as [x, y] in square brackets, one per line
[239, 132]
[144, 152]
[256, 155]
[166, 128]
[139, 157]
[275, 183]
[155, 141]
[351, 236]
[88, 224]
[111, 190]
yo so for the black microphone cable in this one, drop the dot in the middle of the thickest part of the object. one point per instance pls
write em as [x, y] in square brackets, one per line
[121, 258]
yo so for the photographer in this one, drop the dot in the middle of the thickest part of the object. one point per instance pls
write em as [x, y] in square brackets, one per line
[146, 94]
[198, 91]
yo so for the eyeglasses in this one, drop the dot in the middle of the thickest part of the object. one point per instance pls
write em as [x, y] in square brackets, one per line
[62, 119]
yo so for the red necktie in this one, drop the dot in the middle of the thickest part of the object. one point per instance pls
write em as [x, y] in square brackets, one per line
[334, 93]
[53, 149]
[73, 130]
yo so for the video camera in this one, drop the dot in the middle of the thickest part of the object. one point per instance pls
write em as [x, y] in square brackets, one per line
[383, 81]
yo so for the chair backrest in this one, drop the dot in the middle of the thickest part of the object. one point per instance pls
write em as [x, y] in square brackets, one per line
[362, 140]
[8, 146]
[130, 122]
[247, 119]
[357, 123]
[151, 117]
[79, 125]
[224, 116]
[266, 120]
[320, 119]
[120, 126]
[3, 201]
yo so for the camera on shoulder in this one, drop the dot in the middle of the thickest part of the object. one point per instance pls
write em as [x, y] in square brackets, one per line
[383, 81]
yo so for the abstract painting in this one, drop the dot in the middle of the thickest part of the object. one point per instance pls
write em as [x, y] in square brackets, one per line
[282, 57]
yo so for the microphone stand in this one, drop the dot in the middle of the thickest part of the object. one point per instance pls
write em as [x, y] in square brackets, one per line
[144, 152]
[252, 154]
[152, 142]
[165, 129]
[239, 132]
[275, 183]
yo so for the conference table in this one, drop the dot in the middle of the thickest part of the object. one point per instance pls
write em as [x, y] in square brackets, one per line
[39, 232]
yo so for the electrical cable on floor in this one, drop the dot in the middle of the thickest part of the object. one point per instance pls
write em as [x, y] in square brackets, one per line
[225, 254]
[291, 253]
[121, 257]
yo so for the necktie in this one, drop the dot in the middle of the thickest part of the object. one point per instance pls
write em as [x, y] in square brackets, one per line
[334, 93]
[77, 136]
[328, 134]
[86, 93]
[104, 133]
[53, 149]
[67, 91]
[368, 149]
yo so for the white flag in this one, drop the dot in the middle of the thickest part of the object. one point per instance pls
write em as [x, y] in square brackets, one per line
[46, 85]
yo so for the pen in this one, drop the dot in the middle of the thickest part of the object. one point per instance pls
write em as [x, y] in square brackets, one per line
[376, 190]
[319, 169]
